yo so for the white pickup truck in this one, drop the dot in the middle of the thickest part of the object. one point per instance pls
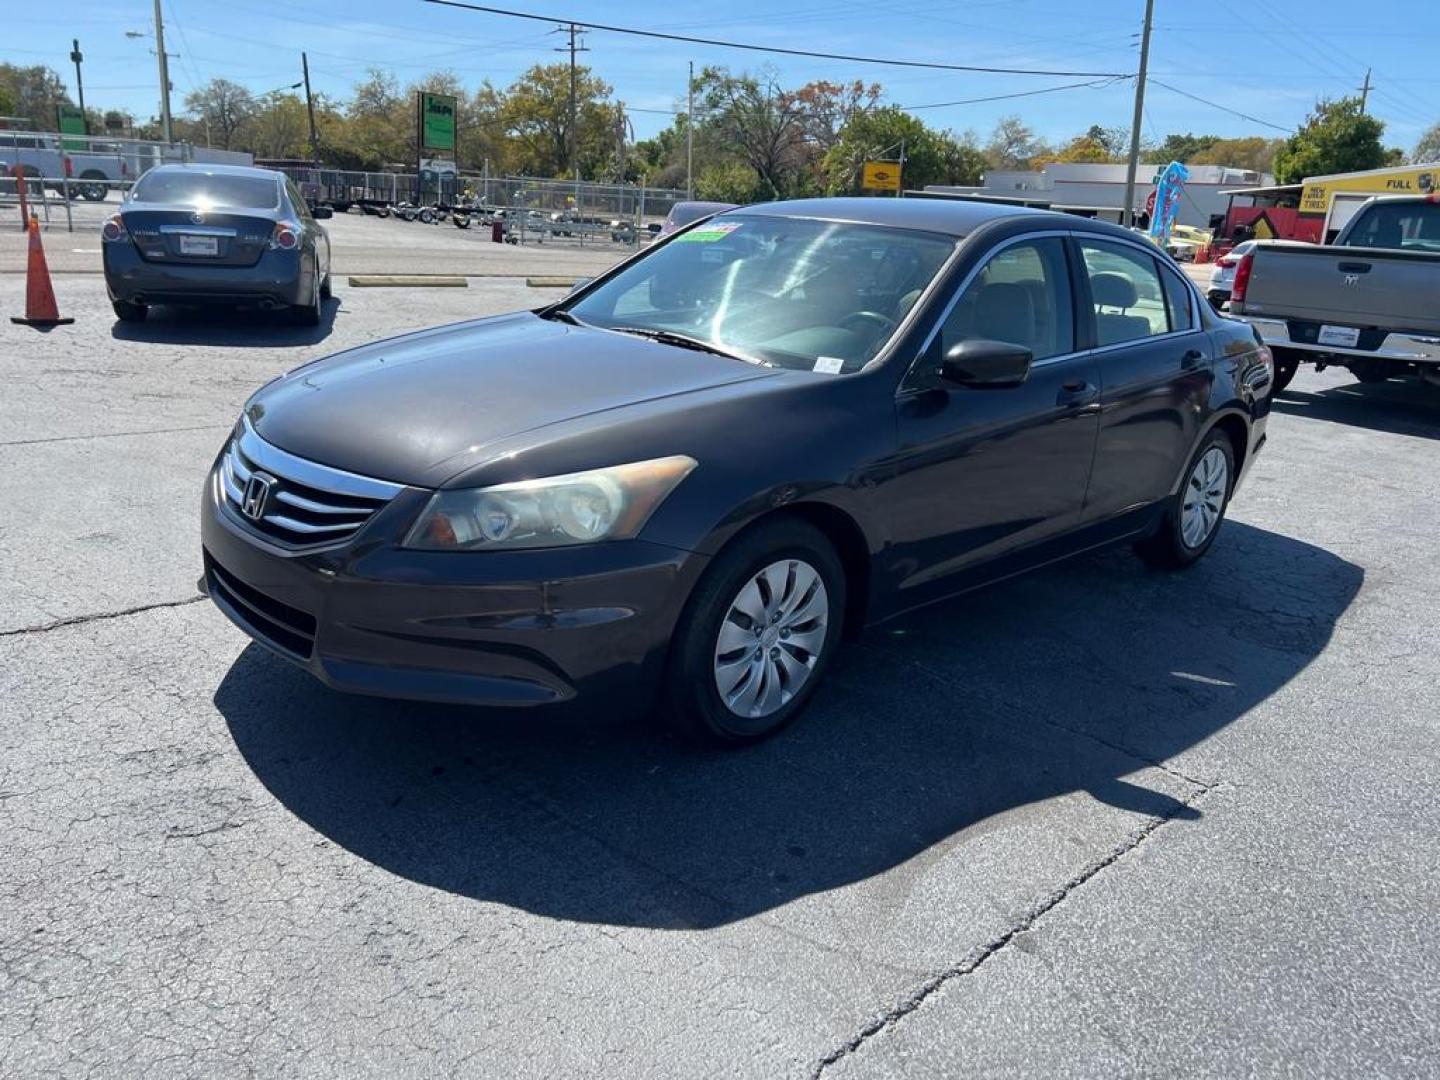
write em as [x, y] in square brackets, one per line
[1369, 302]
[91, 172]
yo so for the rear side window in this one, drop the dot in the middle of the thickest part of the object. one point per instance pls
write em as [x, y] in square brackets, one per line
[1130, 301]
[1177, 298]
[208, 189]
[1403, 226]
[1022, 296]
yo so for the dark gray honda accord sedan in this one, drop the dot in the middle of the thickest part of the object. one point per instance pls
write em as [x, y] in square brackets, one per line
[216, 234]
[681, 484]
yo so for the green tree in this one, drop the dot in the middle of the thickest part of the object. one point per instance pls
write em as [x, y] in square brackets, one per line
[221, 108]
[279, 128]
[1251, 152]
[32, 93]
[1337, 137]
[379, 129]
[536, 112]
[761, 125]
[730, 181]
[931, 157]
[1180, 147]
[1428, 148]
[1012, 145]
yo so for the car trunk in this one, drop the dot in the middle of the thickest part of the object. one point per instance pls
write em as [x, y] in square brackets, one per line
[1364, 287]
[216, 239]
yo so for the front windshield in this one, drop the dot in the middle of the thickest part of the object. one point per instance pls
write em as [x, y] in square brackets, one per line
[792, 292]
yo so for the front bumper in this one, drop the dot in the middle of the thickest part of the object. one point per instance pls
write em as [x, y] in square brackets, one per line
[518, 628]
[279, 278]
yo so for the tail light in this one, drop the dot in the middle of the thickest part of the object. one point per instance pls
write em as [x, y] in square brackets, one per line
[1268, 359]
[1242, 278]
[69, 167]
[287, 237]
[113, 229]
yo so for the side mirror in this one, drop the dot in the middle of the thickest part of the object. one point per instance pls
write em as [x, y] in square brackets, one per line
[320, 213]
[984, 365]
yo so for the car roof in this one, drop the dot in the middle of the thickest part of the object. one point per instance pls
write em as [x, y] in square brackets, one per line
[955, 217]
[218, 170]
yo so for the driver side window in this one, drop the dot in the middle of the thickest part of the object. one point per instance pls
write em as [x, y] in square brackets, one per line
[1022, 296]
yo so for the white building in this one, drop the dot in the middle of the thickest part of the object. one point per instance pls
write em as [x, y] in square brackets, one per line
[1101, 188]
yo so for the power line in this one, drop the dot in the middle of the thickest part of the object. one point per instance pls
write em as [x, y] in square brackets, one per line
[1024, 93]
[1223, 108]
[718, 43]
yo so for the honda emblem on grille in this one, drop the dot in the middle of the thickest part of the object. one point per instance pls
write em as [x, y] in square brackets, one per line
[257, 495]
[197, 218]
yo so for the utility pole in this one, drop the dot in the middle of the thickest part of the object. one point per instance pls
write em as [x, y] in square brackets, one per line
[573, 147]
[164, 75]
[310, 108]
[1127, 212]
[690, 134]
[76, 57]
[1364, 92]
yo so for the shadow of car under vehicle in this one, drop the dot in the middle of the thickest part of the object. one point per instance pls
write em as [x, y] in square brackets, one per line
[1399, 407]
[249, 327]
[1068, 680]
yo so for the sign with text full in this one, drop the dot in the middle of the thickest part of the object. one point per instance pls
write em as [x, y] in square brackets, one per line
[437, 121]
[1420, 180]
[880, 176]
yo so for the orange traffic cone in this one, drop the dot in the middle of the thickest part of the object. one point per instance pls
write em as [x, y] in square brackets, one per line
[41, 311]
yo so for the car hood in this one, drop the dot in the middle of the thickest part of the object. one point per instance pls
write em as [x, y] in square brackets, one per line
[426, 407]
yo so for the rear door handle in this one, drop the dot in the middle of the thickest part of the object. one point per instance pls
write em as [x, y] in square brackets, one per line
[1192, 358]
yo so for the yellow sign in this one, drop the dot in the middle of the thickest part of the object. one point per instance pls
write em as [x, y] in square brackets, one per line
[881, 176]
[1420, 180]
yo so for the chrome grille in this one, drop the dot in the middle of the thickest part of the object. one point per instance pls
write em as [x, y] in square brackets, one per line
[297, 502]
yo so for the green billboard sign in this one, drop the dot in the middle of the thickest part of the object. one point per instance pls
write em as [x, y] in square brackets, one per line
[71, 121]
[437, 121]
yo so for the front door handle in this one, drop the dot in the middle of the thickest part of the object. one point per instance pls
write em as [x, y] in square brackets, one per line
[1078, 394]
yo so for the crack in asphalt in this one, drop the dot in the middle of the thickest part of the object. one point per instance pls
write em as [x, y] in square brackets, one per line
[891, 1017]
[110, 435]
[80, 620]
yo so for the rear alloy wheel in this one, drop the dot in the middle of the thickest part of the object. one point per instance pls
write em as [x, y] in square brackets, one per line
[757, 635]
[1192, 518]
[128, 312]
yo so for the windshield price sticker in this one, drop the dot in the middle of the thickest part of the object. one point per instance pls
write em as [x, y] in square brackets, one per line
[708, 234]
[829, 365]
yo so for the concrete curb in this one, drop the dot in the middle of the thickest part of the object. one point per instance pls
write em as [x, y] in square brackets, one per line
[551, 282]
[407, 281]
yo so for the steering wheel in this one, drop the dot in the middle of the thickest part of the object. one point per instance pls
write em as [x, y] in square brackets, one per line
[884, 322]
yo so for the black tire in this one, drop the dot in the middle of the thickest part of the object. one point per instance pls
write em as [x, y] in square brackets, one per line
[1167, 548]
[1371, 371]
[128, 312]
[426, 216]
[691, 703]
[312, 313]
[1287, 363]
[326, 292]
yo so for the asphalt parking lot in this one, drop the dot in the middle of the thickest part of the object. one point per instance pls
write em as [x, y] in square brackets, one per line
[1098, 821]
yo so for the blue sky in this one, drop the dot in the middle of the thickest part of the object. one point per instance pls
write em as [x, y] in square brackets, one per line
[1269, 59]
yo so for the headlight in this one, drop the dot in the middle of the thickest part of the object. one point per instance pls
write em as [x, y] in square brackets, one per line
[578, 508]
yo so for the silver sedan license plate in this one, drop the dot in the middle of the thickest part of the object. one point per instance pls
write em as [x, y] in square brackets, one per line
[199, 245]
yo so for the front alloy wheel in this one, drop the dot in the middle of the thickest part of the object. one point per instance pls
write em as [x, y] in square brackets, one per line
[770, 638]
[757, 634]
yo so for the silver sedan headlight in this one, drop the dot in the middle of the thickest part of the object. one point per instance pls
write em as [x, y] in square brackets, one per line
[577, 508]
